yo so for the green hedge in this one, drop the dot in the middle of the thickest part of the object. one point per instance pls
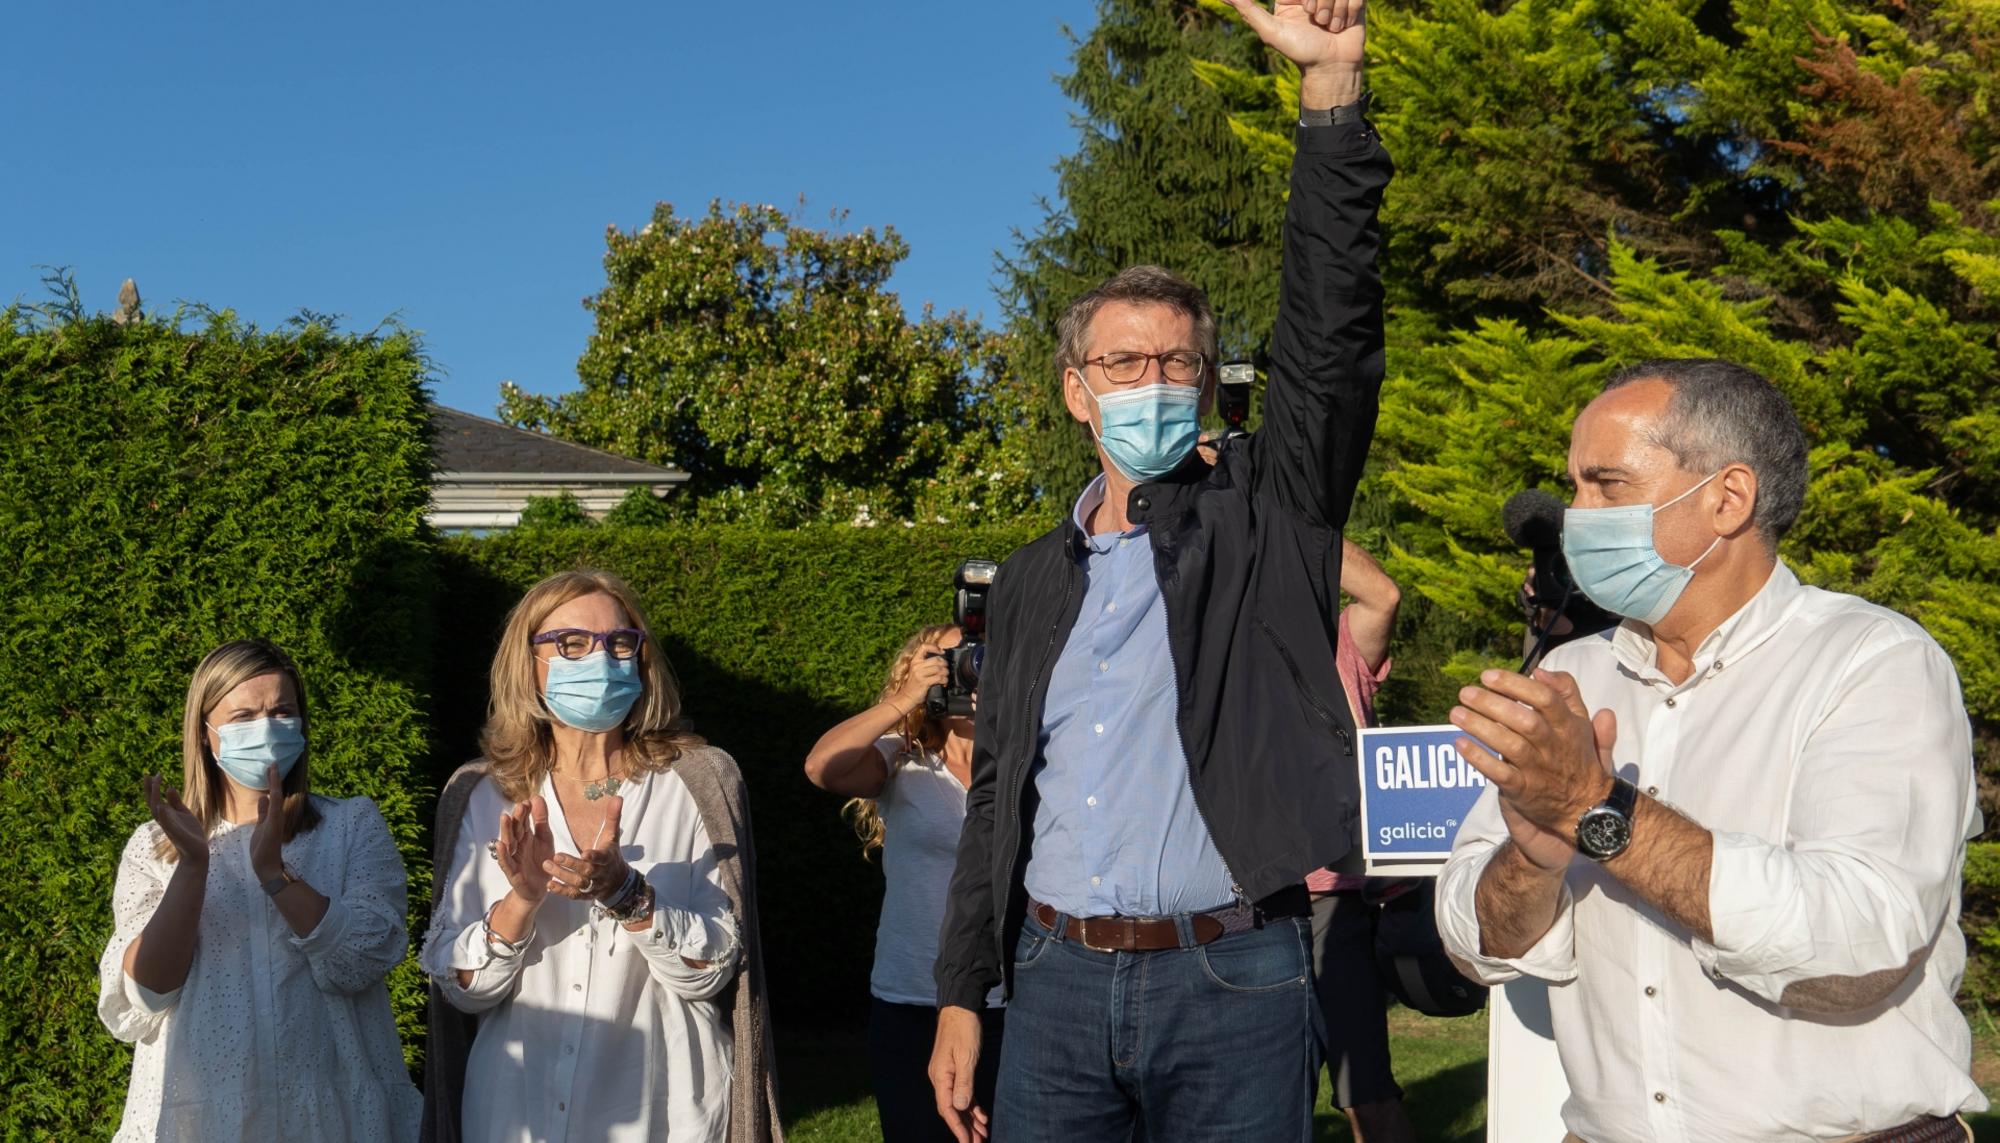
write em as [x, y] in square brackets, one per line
[776, 636]
[161, 491]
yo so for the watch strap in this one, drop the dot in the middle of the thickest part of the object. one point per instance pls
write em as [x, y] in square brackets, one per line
[1623, 798]
[1332, 116]
[276, 884]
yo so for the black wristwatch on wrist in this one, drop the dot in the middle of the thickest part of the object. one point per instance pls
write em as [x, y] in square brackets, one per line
[1605, 829]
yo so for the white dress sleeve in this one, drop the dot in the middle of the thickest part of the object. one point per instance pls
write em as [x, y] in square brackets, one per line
[132, 1013]
[457, 938]
[364, 932]
[692, 920]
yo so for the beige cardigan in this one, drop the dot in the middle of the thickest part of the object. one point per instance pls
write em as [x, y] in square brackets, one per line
[712, 777]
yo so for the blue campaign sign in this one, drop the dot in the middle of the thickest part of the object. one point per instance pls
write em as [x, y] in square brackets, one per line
[1415, 789]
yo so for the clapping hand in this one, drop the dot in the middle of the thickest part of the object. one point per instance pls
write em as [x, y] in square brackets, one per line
[178, 822]
[599, 873]
[1554, 758]
[525, 845]
[1310, 33]
[267, 841]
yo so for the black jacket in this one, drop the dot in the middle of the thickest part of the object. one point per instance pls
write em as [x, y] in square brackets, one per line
[1247, 555]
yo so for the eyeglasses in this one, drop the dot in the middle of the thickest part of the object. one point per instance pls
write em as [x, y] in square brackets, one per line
[1181, 366]
[576, 642]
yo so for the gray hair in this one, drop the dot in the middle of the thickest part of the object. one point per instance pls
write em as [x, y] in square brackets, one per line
[1723, 413]
[1139, 285]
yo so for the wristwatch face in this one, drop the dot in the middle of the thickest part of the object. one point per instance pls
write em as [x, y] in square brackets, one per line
[1603, 833]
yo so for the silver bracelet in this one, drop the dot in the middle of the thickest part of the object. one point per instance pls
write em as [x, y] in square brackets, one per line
[500, 945]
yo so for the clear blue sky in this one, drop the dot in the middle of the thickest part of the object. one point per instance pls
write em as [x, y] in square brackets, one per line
[457, 163]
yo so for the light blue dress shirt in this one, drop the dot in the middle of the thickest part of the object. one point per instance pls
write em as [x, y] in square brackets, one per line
[1116, 830]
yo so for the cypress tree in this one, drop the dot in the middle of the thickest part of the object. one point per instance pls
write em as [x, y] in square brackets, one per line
[1157, 178]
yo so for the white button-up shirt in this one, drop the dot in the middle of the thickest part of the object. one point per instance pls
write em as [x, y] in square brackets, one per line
[594, 1032]
[1822, 740]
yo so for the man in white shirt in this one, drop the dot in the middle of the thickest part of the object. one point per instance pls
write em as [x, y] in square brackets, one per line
[1729, 832]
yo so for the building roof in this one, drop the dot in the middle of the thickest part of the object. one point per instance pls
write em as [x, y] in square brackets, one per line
[463, 443]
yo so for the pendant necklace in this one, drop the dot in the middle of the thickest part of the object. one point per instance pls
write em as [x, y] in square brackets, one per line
[592, 791]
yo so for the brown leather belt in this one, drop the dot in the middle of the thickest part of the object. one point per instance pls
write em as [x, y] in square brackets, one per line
[1928, 1129]
[1152, 934]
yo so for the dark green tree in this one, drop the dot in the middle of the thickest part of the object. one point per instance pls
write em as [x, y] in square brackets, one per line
[1157, 177]
[1806, 186]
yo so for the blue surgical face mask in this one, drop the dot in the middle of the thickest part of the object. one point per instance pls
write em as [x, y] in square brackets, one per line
[245, 750]
[592, 693]
[1612, 559]
[1148, 431]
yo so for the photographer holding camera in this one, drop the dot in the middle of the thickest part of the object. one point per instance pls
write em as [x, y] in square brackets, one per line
[1163, 750]
[904, 764]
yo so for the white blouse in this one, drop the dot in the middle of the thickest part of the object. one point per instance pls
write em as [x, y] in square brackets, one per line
[272, 1035]
[923, 811]
[591, 1031]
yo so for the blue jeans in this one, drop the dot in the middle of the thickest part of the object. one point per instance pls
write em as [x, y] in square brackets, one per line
[1215, 1042]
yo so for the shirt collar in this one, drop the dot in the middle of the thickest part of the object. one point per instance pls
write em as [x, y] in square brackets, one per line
[1757, 620]
[1093, 496]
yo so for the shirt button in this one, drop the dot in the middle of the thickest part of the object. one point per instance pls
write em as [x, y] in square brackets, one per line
[562, 1107]
[1142, 503]
[1100, 728]
[1670, 702]
[1650, 990]
[1104, 664]
[1112, 606]
[1091, 800]
[1659, 1097]
[1124, 542]
[1652, 791]
[1097, 881]
[569, 1049]
[576, 988]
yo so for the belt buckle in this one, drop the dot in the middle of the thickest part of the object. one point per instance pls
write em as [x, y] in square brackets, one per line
[1083, 933]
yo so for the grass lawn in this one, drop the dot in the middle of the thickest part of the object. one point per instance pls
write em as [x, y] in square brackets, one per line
[1440, 1063]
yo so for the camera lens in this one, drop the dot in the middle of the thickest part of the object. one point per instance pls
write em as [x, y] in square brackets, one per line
[966, 664]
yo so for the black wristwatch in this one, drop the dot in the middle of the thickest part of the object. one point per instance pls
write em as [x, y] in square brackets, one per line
[1605, 829]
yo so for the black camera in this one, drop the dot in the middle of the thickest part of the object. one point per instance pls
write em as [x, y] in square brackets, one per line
[962, 663]
[1232, 396]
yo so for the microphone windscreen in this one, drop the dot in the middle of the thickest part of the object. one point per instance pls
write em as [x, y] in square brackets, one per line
[1533, 519]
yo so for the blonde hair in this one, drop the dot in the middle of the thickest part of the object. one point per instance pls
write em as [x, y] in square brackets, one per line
[203, 787]
[921, 734]
[519, 740]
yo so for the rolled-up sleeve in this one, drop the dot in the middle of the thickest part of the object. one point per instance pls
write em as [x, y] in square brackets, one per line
[1553, 958]
[692, 921]
[456, 941]
[1857, 889]
[363, 934]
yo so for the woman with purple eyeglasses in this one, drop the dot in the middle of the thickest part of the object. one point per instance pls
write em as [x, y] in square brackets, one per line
[593, 956]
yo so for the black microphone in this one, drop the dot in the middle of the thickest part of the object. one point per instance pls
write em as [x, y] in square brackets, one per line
[1534, 520]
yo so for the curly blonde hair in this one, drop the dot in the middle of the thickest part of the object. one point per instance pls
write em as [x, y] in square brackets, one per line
[921, 733]
[518, 739]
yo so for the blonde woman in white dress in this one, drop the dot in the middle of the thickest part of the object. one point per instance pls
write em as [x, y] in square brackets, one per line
[594, 909]
[252, 933]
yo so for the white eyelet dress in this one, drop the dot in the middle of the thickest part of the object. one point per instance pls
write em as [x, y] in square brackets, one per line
[273, 1035]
